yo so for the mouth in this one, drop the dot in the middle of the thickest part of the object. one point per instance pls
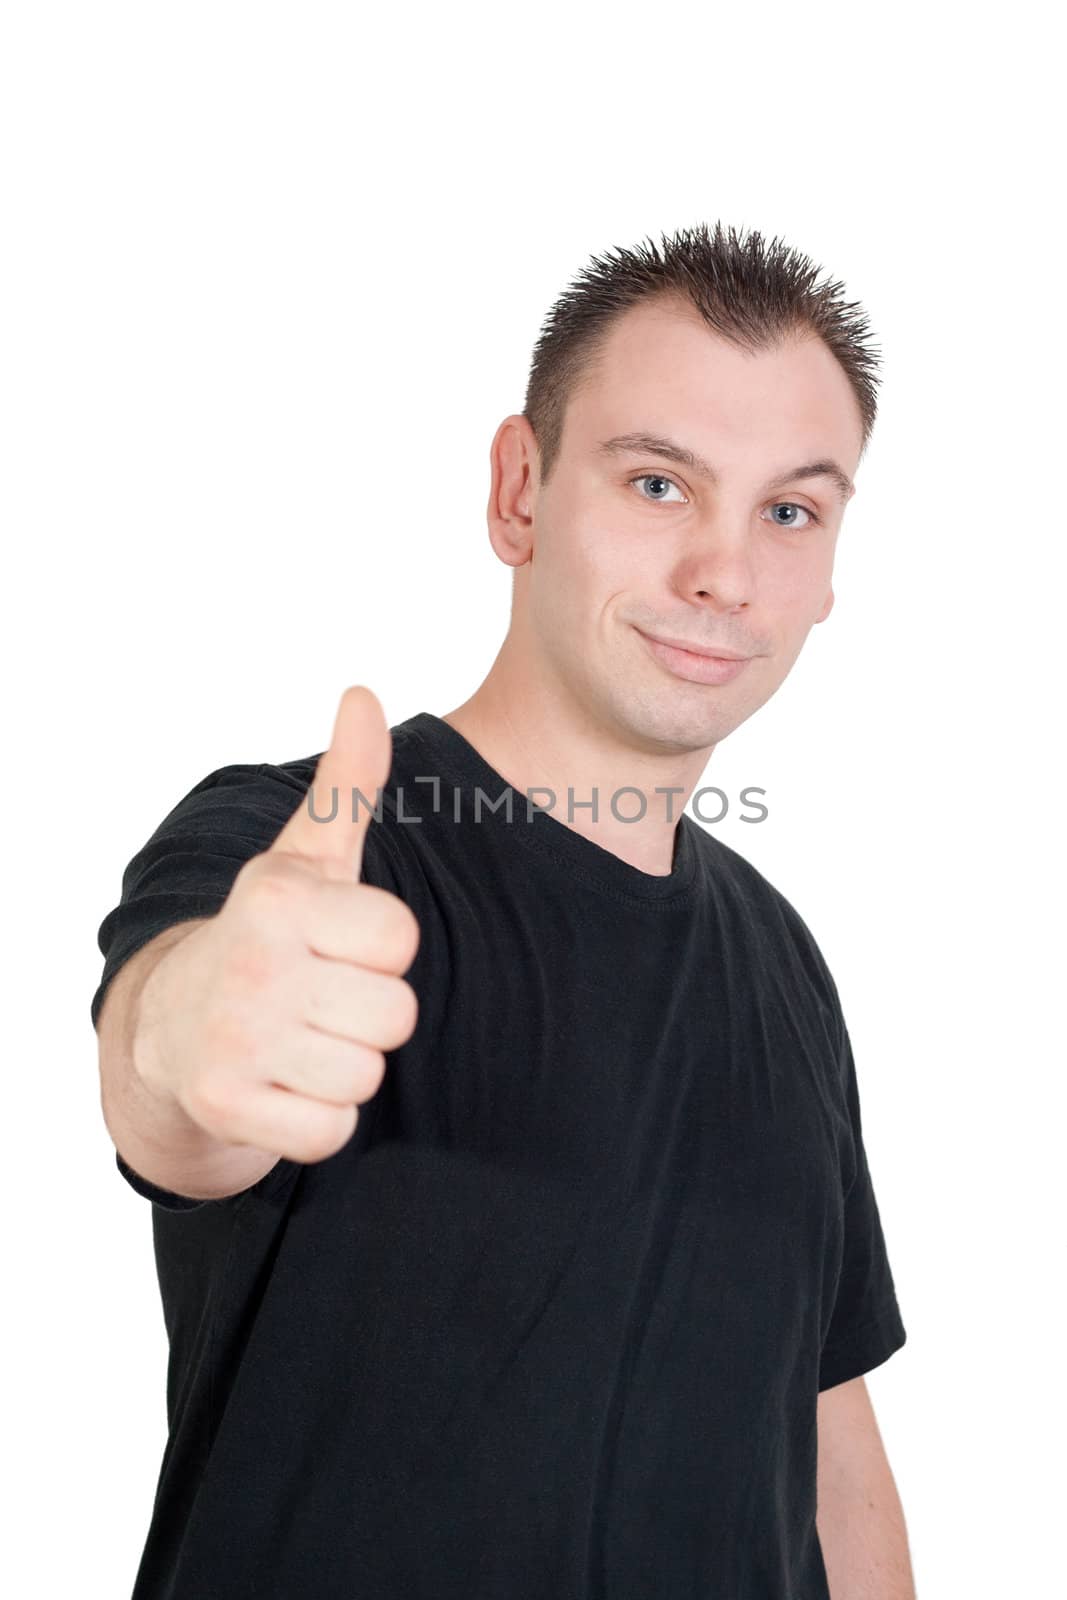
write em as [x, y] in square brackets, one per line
[696, 665]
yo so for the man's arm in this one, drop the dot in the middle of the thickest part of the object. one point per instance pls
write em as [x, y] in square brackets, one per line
[859, 1519]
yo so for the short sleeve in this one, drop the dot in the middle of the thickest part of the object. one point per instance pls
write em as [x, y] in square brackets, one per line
[151, 1191]
[865, 1325]
[187, 869]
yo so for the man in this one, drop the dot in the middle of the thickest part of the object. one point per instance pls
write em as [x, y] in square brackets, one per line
[553, 1268]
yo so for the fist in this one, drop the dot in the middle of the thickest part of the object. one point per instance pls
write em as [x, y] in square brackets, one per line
[269, 1021]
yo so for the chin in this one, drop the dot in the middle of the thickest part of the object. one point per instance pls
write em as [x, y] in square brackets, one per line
[675, 729]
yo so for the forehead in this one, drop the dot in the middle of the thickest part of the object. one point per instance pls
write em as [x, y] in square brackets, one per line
[663, 370]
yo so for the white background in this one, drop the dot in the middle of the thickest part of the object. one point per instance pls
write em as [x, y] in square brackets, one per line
[272, 276]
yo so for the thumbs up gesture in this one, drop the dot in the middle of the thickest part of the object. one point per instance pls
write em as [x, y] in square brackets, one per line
[269, 1021]
[331, 827]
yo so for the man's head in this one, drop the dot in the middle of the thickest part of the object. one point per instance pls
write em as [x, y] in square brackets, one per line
[726, 350]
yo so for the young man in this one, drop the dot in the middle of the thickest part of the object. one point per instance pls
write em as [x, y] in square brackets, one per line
[553, 1268]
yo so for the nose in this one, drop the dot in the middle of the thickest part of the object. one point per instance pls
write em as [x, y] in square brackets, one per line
[717, 568]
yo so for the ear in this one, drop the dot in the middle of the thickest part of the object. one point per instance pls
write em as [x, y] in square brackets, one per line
[514, 458]
[827, 605]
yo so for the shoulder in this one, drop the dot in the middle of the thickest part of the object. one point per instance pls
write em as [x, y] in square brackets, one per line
[243, 789]
[389, 858]
[754, 903]
[246, 804]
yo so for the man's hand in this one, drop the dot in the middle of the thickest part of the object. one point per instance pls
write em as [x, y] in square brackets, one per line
[268, 1023]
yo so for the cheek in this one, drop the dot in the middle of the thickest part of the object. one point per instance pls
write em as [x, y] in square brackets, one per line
[584, 565]
[617, 558]
[795, 590]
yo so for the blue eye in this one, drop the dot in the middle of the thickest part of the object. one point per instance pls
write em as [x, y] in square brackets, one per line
[790, 505]
[658, 477]
[661, 499]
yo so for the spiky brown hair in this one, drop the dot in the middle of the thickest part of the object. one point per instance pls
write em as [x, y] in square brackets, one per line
[753, 294]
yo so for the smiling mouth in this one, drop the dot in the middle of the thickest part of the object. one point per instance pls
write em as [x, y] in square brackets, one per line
[695, 666]
[719, 654]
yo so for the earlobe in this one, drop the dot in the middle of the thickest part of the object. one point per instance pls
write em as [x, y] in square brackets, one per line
[513, 547]
[827, 607]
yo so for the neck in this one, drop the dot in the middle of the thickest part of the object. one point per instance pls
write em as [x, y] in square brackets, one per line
[537, 737]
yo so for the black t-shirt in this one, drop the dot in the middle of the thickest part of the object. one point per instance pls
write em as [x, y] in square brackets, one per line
[553, 1323]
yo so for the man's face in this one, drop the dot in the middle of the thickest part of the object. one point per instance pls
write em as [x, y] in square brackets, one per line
[627, 544]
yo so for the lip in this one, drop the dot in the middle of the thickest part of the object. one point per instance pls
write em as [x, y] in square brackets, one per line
[696, 649]
[697, 664]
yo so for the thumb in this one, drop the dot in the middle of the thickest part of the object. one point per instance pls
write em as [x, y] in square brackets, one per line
[346, 782]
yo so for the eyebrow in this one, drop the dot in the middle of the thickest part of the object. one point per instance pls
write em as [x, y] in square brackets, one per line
[636, 443]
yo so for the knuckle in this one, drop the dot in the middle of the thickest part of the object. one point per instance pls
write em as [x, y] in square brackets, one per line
[209, 1100]
[226, 1037]
[407, 935]
[251, 962]
[403, 1009]
[395, 924]
[269, 880]
[371, 1071]
[336, 1129]
[262, 865]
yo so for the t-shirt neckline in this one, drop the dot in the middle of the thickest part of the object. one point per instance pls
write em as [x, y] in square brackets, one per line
[465, 766]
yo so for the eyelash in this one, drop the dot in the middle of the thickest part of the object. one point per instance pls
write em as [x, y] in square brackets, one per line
[667, 479]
